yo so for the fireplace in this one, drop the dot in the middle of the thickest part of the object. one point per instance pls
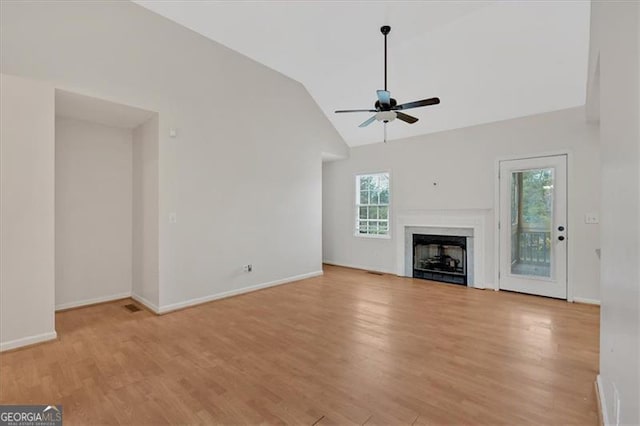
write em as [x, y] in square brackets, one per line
[440, 258]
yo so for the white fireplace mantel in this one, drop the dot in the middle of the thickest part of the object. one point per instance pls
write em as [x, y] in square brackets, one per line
[474, 219]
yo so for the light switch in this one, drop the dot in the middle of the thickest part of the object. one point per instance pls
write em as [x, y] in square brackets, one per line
[173, 132]
[173, 218]
[591, 218]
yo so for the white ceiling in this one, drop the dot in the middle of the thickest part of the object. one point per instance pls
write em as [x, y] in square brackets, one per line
[487, 61]
[107, 113]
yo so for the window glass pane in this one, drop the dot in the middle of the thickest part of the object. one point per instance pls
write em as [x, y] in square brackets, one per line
[376, 184]
[383, 212]
[362, 227]
[372, 183]
[384, 196]
[532, 205]
[516, 182]
[373, 198]
[365, 183]
[384, 226]
[373, 212]
[364, 197]
[373, 227]
[363, 212]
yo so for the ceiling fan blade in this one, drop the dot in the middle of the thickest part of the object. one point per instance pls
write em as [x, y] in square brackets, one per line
[384, 97]
[406, 118]
[354, 110]
[418, 104]
[369, 121]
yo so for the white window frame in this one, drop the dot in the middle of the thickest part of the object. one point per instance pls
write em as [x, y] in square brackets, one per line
[357, 205]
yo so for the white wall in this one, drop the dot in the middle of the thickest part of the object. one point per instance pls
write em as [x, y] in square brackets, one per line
[26, 212]
[618, 43]
[244, 174]
[145, 213]
[463, 163]
[93, 212]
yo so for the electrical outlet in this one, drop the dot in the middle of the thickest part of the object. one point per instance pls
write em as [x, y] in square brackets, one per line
[591, 218]
[247, 268]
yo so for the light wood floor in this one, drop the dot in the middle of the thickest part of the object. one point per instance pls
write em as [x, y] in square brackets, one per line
[346, 348]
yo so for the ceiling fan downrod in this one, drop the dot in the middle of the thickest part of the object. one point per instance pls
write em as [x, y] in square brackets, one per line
[385, 29]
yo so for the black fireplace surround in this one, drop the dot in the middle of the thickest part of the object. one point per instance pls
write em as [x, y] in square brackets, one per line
[440, 258]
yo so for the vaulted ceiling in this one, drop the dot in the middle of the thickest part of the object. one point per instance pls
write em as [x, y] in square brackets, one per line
[487, 61]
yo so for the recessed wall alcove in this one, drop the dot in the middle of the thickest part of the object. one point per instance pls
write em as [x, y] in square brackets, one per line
[105, 199]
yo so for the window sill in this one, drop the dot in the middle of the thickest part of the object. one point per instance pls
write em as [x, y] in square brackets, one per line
[373, 237]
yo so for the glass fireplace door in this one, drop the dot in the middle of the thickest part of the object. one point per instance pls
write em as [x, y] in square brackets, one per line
[440, 258]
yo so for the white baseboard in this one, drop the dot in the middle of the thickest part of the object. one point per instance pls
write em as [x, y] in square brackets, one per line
[586, 301]
[364, 268]
[197, 301]
[602, 401]
[151, 306]
[26, 341]
[93, 301]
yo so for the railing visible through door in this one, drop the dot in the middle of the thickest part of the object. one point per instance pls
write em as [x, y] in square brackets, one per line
[531, 246]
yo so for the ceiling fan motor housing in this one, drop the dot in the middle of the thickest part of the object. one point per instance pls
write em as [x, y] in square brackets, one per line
[382, 107]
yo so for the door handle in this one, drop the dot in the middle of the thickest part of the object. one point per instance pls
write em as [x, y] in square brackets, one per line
[561, 237]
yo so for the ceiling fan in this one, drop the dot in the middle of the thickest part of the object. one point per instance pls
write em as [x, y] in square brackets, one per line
[386, 108]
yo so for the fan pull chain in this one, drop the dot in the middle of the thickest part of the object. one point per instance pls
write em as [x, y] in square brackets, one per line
[385, 133]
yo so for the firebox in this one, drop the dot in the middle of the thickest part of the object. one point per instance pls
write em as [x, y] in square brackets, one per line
[440, 258]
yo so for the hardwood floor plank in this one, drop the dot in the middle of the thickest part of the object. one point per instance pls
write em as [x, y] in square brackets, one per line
[345, 348]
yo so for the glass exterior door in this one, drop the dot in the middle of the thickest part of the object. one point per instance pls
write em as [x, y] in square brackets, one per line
[533, 226]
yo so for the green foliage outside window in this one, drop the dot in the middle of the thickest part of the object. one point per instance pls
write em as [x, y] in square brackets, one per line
[536, 205]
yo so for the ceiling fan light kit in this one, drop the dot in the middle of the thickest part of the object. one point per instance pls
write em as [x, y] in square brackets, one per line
[386, 108]
[386, 116]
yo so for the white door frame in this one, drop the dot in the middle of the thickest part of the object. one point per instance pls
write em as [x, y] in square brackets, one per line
[496, 213]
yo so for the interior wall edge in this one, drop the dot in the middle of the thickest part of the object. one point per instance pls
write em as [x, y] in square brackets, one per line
[146, 302]
[27, 206]
[602, 404]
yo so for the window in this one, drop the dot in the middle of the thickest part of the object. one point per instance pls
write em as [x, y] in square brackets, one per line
[372, 205]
